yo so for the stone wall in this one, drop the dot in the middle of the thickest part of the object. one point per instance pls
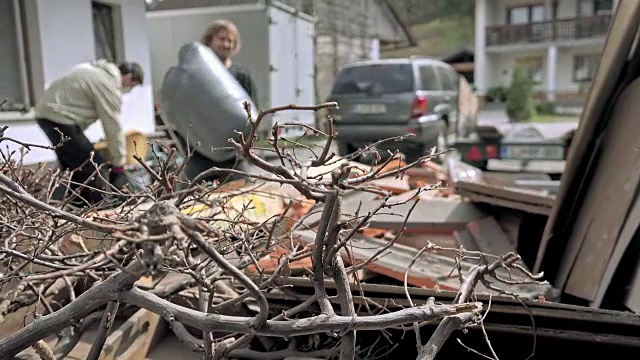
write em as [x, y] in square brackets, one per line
[332, 54]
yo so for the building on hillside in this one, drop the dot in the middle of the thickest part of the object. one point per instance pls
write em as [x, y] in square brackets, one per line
[558, 42]
[41, 40]
[345, 31]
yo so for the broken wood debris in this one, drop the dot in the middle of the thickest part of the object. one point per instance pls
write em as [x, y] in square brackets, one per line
[443, 220]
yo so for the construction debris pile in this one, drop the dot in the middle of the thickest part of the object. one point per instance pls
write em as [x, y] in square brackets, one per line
[231, 270]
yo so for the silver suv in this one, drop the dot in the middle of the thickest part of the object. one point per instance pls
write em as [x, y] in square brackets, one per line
[379, 99]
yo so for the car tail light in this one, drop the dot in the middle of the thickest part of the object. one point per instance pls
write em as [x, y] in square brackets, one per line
[491, 151]
[474, 154]
[419, 107]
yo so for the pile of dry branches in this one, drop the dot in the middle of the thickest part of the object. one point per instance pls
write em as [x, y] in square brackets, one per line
[75, 268]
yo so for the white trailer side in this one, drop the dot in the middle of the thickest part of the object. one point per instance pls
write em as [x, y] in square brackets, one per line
[277, 48]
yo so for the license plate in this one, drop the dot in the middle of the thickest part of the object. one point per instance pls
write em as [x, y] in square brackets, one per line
[370, 108]
[532, 152]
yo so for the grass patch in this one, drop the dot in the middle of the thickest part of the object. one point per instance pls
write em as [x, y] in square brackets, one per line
[550, 118]
[438, 37]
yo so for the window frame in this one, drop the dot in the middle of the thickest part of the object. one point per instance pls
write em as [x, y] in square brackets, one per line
[529, 8]
[105, 43]
[605, 11]
[594, 57]
[593, 6]
[25, 102]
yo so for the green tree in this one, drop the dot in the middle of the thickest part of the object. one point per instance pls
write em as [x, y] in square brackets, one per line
[520, 106]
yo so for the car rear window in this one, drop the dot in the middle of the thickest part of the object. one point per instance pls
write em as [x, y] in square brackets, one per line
[379, 78]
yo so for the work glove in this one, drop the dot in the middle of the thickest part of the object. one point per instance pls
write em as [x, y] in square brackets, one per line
[118, 178]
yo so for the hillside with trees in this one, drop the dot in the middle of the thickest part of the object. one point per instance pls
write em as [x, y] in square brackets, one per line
[420, 11]
[440, 26]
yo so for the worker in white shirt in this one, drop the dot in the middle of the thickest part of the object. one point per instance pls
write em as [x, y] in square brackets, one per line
[89, 92]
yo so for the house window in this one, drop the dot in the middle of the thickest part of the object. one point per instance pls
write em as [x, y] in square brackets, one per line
[526, 14]
[533, 67]
[584, 67]
[104, 31]
[587, 8]
[13, 67]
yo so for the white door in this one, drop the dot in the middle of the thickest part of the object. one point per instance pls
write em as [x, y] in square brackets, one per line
[304, 54]
[282, 77]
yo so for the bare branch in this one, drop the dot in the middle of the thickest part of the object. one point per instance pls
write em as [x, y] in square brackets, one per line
[286, 328]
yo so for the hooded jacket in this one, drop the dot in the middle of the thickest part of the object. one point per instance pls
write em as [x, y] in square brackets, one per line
[89, 92]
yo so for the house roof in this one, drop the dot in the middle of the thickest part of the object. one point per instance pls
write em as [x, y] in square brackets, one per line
[463, 55]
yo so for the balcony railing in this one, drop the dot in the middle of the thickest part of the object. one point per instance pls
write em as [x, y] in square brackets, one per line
[561, 29]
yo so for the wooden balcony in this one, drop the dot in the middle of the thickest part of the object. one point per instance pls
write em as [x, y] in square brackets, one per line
[549, 31]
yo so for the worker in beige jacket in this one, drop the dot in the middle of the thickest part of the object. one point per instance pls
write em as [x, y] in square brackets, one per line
[89, 92]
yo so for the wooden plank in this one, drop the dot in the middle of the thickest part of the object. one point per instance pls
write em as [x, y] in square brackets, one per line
[464, 238]
[352, 198]
[578, 169]
[534, 209]
[510, 222]
[489, 237]
[18, 319]
[633, 296]
[418, 240]
[430, 270]
[526, 196]
[551, 319]
[142, 345]
[435, 213]
[546, 308]
[608, 201]
[145, 326]
[507, 179]
[626, 236]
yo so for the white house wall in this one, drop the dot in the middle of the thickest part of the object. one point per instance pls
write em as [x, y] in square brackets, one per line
[502, 65]
[332, 54]
[500, 68]
[494, 64]
[60, 36]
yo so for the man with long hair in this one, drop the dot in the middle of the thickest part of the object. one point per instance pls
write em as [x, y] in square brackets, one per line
[223, 38]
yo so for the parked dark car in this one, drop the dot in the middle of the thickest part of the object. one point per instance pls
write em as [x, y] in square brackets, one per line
[379, 99]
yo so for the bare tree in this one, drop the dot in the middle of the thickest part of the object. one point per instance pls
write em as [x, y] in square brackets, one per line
[150, 233]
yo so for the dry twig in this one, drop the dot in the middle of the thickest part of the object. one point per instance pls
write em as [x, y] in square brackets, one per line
[46, 250]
